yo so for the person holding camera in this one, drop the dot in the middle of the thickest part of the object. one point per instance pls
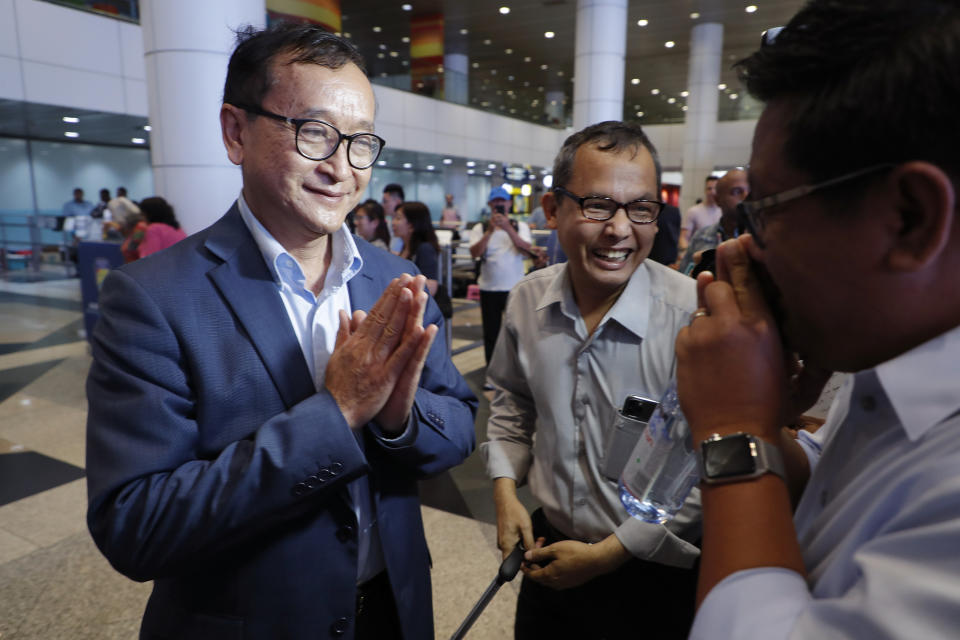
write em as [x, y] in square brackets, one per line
[502, 245]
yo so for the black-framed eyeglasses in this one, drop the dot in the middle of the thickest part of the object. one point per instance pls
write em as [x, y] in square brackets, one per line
[318, 140]
[749, 210]
[602, 208]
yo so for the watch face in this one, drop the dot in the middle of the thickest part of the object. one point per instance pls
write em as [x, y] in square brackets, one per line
[730, 456]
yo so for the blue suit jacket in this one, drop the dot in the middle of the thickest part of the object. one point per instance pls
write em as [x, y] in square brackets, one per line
[217, 470]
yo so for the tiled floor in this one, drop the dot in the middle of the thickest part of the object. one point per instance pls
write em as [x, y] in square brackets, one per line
[53, 581]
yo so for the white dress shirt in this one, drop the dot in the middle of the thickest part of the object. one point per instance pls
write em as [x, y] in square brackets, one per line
[315, 321]
[557, 392]
[878, 523]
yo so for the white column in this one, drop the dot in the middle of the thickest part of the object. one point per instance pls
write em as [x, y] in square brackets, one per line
[601, 45]
[455, 81]
[699, 136]
[186, 47]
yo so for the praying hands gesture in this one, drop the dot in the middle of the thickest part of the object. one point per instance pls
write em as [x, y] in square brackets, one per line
[376, 364]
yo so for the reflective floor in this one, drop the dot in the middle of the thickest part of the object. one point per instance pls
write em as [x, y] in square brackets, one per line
[53, 581]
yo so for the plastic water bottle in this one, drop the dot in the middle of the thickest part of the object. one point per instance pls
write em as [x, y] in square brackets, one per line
[662, 469]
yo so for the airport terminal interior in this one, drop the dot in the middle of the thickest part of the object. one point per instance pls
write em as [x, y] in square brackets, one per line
[471, 96]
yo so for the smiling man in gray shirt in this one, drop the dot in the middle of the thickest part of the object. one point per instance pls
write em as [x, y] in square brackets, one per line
[577, 339]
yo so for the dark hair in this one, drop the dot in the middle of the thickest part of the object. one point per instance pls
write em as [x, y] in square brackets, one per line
[156, 209]
[249, 74]
[374, 210]
[868, 81]
[121, 191]
[394, 188]
[709, 178]
[612, 135]
[421, 224]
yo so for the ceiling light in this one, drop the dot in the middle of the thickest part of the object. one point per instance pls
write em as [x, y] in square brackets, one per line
[560, 73]
[504, 10]
[669, 44]
[393, 54]
[491, 166]
[671, 100]
[405, 39]
[510, 78]
[72, 134]
[487, 173]
[694, 15]
[406, 63]
[487, 41]
[383, 74]
[634, 80]
[642, 22]
[655, 92]
[471, 163]
[407, 7]
[508, 51]
[407, 165]
[383, 47]
[734, 96]
[346, 34]
[493, 72]
[381, 55]
[548, 34]
[470, 172]
[71, 119]
[464, 32]
[147, 127]
[527, 59]
[722, 86]
[430, 167]
[751, 8]
[684, 93]
[381, 163]
[476, 65]
[377, 29]
[543, 67]
[639, 114]
[137, 140]
[683, 108]
[447, 161]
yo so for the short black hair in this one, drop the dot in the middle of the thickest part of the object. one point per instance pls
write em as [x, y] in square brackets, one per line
[612, 135]
[709, 178]
[868, 81]
[395, 189]
[249, 71]
[157, 209]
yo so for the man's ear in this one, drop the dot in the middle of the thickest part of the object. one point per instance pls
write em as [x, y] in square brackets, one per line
[550, 205]
[233, 122]
[926, 203]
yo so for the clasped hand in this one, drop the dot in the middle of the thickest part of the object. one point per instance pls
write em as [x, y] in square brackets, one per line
[376, 364]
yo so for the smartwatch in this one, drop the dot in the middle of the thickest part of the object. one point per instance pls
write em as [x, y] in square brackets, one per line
[737, 457]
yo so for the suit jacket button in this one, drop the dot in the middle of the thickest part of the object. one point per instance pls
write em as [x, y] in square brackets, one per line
[312, 481]
[339, 627]
[299, 489]
[325, 474]
[336, 468]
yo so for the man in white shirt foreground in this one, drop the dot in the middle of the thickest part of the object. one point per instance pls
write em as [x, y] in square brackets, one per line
[578, 338]
[853, 264]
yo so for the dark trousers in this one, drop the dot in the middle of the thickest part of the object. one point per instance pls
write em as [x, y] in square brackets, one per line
[492, 304]
[639, 600]
[377, 611]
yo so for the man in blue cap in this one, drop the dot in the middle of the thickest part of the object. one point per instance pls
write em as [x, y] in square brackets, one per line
[501, 245]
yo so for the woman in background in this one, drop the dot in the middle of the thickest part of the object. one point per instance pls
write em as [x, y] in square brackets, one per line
[371, 225]
[413, 225]
[158, 230]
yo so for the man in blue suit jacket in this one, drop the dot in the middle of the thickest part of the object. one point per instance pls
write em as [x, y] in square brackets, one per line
[264, 395]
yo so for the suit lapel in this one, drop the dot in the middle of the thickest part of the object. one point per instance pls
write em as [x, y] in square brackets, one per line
[363, 287]
[251, 292]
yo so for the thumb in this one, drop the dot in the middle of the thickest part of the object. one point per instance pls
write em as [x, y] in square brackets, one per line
[343, 331]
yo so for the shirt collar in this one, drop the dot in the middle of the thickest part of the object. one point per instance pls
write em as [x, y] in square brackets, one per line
[631, 310]
[345, 261]
[923, 400]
